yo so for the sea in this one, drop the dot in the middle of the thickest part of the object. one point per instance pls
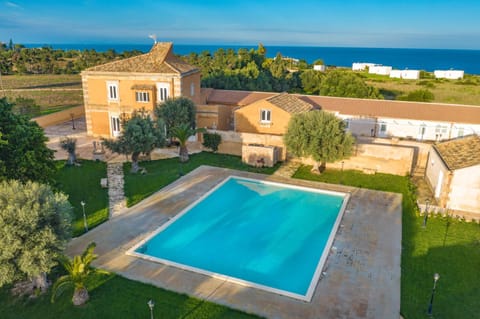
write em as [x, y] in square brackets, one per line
[398, 58]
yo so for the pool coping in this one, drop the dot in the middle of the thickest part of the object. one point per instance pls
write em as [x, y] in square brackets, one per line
[318, 269]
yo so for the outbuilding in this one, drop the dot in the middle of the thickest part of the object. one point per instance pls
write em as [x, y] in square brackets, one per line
[453, 172]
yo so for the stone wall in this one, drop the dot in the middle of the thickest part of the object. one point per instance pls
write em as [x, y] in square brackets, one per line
[60, 117]
[372, 155]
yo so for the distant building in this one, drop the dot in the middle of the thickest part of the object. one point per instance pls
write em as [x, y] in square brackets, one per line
[405, 74]
[380, 69]
[319, 67]
[116, 89]
[361, 66]
[453, 172]
[449, 74]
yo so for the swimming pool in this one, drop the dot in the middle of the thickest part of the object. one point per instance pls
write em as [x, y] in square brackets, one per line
[265, 235]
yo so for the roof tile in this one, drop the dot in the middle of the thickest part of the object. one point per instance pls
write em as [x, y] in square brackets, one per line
[160, 59]
[460, 153]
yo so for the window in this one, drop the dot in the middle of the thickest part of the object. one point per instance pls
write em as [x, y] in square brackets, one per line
[460, 132]
[383, 128]
[265, 116]
[347, 124]
[162, 91]
[142, 97]
[112, 91]
[192, 89]
[441, 129]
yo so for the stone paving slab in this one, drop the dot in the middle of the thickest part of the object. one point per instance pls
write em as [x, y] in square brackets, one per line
[362, 277]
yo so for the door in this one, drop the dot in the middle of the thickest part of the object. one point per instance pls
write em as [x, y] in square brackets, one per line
[115, 125]
[421, 132]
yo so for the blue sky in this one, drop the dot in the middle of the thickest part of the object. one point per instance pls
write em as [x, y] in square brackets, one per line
[354, 23]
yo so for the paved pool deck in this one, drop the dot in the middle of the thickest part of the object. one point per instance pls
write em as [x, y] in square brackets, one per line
[362, 272]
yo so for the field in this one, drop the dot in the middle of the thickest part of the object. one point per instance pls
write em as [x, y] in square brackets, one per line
[51, 92]
[465, 91]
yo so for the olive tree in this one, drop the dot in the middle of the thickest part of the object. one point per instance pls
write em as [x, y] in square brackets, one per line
[140, 134]
[34, 229]
[319, 135]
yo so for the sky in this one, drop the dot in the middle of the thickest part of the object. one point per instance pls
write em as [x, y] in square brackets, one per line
[440, 24]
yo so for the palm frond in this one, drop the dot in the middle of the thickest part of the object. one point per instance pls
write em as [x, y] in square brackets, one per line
[60, 285]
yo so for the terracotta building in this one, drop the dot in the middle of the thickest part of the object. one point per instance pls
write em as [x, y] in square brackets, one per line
[270, 115]
[117, 88]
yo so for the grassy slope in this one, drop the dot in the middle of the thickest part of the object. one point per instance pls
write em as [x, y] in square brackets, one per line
[163, 172]
[445, 91]
[83, 184]
[116, 297]
[449, 247]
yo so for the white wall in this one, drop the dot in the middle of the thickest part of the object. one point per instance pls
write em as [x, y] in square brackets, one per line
[435, 168]
[465, 189]
[449, 74]
[318, 67]
[380, 70]
[360, 66]
[405, 74]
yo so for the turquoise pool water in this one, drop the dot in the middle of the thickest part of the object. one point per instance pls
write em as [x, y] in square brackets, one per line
[270, 236]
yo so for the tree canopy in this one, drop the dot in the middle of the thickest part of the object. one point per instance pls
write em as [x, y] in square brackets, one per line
[319, 135]
[34, 228]
[23, 154]
[347, 84]
[140, 134]
[176, 112]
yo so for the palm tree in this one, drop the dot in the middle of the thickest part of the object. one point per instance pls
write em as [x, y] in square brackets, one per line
[78, 271]
[69, 144]
[182, 132]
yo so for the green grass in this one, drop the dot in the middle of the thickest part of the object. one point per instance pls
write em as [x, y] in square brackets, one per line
[447, 246]
[115, 297]
[162, 172]
[82, 183]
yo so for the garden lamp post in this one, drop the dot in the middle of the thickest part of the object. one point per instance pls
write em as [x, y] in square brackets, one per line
[84, 216]
[151, 304]
[343, 162]
[73, 120]
[425, 217]
[435, 279]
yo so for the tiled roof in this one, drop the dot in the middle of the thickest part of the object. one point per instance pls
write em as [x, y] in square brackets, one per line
[160, 59]
[460, 153]
[290, 103]
[468, 114]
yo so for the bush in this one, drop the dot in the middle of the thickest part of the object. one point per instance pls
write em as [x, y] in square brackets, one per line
[427, 84]
[418, 96]
[212, 141]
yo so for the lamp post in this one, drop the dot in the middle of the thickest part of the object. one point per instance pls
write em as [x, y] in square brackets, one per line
[73, 121]
[435, 279]
[425, 217]
[343, 162]
[151, 304]
[84, 216]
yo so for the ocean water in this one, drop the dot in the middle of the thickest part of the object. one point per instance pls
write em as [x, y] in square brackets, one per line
[254, 232]
[419, 59]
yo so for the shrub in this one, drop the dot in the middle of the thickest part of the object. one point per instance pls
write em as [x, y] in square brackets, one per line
[212, 141]
[418, 96]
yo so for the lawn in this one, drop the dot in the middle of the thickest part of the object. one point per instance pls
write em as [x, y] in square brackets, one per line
[162, 172]
[446, 246]
[82, 183]
[116, 297]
